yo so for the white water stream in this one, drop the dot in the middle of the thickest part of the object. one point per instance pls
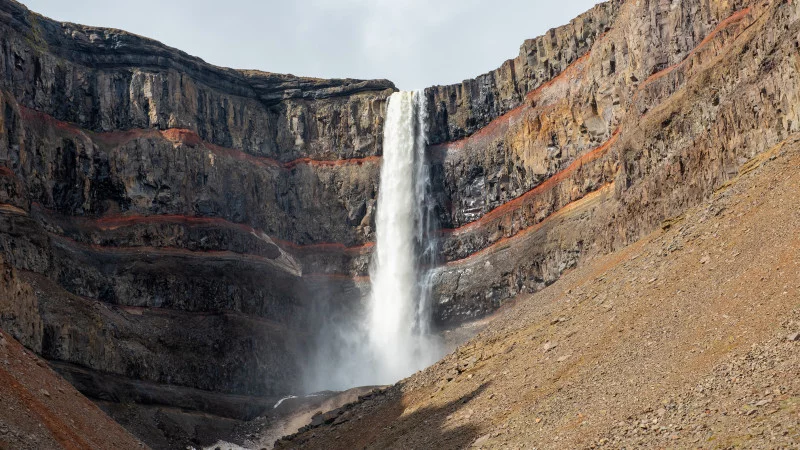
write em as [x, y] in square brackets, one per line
[399, 308]
[390, 338]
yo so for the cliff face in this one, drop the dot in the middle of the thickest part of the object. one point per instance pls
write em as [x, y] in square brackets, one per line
[160, 210]
[660, 112]
[175, 226]
[458, 111]
[689, 335]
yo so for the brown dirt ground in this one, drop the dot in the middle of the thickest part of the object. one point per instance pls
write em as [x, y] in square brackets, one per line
[682, 340]
[40, 410]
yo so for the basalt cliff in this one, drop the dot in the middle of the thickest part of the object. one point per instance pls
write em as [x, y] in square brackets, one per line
[172, 233]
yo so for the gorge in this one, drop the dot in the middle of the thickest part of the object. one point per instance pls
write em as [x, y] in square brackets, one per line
[187, 244]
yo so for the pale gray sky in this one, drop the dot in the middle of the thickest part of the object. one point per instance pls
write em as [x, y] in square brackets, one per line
[415, 43]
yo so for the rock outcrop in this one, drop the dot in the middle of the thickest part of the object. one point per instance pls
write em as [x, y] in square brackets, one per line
[602, 153]
[167, 216]
[178, 227]
[458, 111]
[42, 410]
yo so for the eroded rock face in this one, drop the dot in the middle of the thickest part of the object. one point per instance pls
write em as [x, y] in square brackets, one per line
[460, 110]
[105, 80]
[678, 115]
[169, 216]
[19, 311]
[179, 224]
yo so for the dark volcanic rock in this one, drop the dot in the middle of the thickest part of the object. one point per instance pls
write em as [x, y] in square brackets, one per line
[603, 153]
[180, 228]
[460, 110]
[104, 80]
[153, 203]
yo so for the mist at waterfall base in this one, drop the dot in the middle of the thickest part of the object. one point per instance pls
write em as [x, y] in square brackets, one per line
[387, 335]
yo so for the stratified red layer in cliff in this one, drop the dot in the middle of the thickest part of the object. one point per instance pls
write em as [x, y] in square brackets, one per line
[186, 137]
[735, 19]
[504, 212]
[515, 238]
[499, 126]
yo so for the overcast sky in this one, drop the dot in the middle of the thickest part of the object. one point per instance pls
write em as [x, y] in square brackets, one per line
[415, 43]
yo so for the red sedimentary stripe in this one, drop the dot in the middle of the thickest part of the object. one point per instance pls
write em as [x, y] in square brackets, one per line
[337, 277]
[513, 205]
[109, 223]
[490, 129]
[191, 139]
[113, 222]
[735, 18]
[533, 228]
[32, 114]
[331, 163]
[7, 172]
[504, 119]
[324, 247]
[164, 251]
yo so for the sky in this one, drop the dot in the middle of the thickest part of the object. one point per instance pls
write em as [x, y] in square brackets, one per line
[414, 43]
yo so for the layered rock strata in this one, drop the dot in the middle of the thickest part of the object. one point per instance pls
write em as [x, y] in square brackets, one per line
[161, 211]
[179, 225]
[670, 121]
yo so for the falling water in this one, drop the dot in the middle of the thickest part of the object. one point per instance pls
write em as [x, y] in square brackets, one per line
[391, 338]
[399, 308]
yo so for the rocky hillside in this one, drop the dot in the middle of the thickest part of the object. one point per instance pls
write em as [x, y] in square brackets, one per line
[689, 338]
[41, 410]
[179, 231]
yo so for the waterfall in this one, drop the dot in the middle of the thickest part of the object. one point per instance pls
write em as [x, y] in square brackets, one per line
[399, 313]
[390, 338]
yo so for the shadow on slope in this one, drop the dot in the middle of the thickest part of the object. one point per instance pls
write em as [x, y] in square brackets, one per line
[667, 343]
[384, 422]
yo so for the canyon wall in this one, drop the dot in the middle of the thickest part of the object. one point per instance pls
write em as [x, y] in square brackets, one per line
[159, 210]
[664, 108]
[178, 230]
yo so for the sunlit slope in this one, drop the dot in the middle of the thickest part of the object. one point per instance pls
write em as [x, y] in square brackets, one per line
[687, 338]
